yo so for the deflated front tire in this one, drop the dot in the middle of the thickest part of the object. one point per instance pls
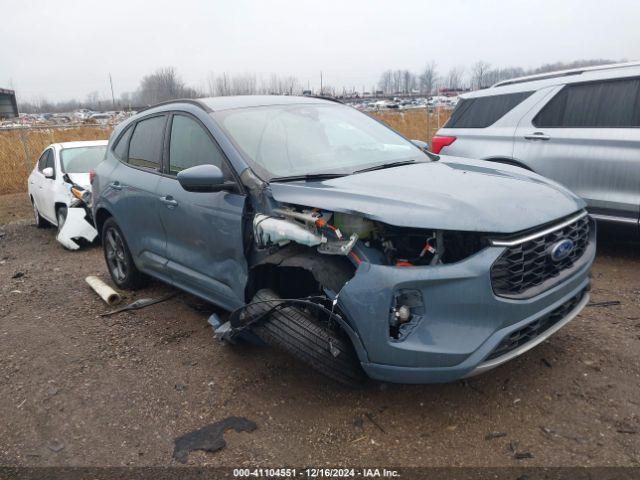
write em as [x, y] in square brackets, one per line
[300, 334]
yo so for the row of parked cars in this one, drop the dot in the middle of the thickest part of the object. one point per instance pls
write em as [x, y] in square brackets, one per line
[360, 252]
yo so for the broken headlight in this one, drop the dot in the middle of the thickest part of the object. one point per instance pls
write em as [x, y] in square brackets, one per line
[413, 247]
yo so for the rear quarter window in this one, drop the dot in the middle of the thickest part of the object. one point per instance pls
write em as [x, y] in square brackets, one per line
[482, 112]
[606, 104]
[121, 147]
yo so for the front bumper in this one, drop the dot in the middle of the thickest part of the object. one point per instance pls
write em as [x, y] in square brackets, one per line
[464, 321]
[76, 226]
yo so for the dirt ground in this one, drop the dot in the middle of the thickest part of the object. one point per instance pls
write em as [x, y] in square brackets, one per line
[80, 389]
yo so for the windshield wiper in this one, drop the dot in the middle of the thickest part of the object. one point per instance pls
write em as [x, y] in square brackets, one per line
[386, 165]
[308, 176]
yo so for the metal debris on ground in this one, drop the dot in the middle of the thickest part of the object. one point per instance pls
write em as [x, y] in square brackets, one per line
[518, 455]
[627, 430]
[372, 420]
[523, 455]
[209, 438]
[138, 304]
[492, 435]
[18, 275]
[610, 303]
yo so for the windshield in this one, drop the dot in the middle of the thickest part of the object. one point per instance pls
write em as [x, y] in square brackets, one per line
[307, 139]
[81, 159]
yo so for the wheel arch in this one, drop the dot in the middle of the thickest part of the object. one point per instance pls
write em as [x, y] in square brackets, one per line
[102, 214]
[299, 269]
[509, 161]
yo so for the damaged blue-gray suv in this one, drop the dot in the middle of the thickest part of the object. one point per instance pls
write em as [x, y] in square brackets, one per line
[327, 234]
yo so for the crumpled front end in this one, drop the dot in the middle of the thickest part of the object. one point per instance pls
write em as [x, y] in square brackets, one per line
[423, 304]
[78, 223]
[458, 324]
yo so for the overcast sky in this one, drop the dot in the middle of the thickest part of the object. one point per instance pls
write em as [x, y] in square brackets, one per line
[65, 49]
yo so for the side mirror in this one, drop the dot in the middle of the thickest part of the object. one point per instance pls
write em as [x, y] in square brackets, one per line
[421, 145]
[201, 178]
[48, 172]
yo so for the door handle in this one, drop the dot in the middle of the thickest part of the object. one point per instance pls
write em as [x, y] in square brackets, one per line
[169, 201]
[537, 136]
[115, 185]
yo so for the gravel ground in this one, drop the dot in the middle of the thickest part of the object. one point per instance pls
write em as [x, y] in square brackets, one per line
[80, 389]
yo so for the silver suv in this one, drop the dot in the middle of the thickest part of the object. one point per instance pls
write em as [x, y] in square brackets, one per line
[578, 127]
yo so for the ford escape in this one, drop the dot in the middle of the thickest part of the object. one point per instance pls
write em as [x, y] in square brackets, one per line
[329, 235]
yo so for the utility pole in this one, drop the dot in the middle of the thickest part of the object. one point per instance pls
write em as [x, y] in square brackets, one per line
[113, 98]
[320, 82]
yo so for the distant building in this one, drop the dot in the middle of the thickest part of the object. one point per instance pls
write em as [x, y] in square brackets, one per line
[8, 104]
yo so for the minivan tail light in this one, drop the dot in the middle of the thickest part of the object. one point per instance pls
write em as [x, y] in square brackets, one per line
[92, 175]
[438, 143]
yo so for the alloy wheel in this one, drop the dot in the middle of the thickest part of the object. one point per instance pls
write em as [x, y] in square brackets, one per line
[115, 253]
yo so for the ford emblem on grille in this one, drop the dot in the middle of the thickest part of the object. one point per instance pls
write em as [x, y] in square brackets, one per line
[561, 250]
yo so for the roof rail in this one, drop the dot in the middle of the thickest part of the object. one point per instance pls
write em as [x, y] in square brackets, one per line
[564, 73]
[321, 97]
[191, 101]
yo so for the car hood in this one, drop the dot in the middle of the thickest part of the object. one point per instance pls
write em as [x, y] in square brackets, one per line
[450, 194]
[81, 179]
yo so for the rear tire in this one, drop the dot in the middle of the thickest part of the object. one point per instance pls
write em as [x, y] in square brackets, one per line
[306, 338]
[120, 264]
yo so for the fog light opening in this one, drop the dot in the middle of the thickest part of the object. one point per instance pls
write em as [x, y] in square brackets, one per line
[407, 310]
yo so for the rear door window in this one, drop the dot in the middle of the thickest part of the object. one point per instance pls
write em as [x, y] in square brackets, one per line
[145, 148]
[606, 104]
[191, 145]
[481, 112]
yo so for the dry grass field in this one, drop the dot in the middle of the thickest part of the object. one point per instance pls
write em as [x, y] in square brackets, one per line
[415, 124]
[20, 149]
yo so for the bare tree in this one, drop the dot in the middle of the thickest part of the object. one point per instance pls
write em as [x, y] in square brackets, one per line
[454, 78]
[164, 84]
[479, 72]
[386, 81]
[428, 78]
[408, 81]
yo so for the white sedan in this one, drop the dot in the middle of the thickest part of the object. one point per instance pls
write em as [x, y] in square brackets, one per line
[59, 189]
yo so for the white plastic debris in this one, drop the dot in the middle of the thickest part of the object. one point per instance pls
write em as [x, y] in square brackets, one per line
[270, 231]
[106, 293]
[76, 226]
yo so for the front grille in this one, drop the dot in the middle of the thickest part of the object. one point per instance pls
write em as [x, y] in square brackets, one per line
[526, 269]
[535, 328]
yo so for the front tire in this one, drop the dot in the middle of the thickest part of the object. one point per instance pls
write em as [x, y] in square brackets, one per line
[302, 335]
[39, 221]
[61, 216]
[120, 264]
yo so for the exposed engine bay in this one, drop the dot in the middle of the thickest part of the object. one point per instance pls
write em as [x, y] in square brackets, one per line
[340, 233]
